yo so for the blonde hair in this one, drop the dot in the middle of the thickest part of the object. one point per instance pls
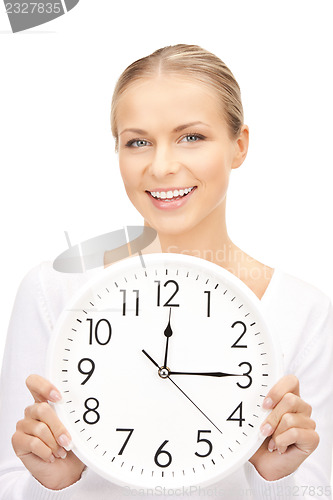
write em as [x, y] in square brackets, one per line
[190, 61]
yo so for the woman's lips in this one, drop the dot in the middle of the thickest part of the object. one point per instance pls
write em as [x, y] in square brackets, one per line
[171, 204]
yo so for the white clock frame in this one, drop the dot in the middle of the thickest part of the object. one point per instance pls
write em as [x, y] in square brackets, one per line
[67, 374]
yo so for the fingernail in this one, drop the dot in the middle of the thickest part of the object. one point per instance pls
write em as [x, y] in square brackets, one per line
[64, 441]
[69, 447]
[271, 445]
[62, 453]
[266, 430]
[267, 403]
[54, 396]
[52, 459]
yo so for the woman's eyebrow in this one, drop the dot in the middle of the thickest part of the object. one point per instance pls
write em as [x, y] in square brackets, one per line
[177, 129]
[186, 125]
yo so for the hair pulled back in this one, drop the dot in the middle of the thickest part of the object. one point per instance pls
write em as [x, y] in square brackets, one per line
[190, 61]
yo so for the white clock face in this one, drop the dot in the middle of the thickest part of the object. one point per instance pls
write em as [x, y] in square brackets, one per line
[163, 371]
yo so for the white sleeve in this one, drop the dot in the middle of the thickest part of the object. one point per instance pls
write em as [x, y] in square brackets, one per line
[313, 367]
[26, 345]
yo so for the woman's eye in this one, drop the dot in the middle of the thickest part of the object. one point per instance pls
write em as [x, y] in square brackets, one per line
[140, 143]
[192, 138]
[137, 143]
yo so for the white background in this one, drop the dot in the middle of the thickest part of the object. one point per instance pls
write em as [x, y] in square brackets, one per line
[58, 167]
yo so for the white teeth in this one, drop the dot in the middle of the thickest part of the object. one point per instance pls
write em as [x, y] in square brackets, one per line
[171, 194]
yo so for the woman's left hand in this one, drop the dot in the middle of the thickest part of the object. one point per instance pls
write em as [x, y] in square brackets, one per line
[290, 430]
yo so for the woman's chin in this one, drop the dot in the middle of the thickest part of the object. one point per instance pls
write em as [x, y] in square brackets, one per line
[169, 225]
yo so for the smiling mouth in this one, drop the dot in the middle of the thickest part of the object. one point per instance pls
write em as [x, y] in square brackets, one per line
[171, 195]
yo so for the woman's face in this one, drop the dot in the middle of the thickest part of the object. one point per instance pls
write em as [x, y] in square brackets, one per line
[172, 138]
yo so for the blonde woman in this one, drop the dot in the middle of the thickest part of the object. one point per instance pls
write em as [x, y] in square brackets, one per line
[177, 120]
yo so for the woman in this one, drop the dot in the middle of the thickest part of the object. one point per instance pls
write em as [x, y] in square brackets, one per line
[177, 120]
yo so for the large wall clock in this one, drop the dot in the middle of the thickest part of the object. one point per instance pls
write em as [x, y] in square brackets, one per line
[163, 364]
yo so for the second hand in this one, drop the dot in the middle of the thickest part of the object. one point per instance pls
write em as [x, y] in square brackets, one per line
[181, 390]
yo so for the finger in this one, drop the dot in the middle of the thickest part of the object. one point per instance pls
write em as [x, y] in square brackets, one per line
[305, 440]
[42, 390]
[289, 421]
[290, 403]
[41, 431]
[288, 383]
[25, 444]
[44, 413]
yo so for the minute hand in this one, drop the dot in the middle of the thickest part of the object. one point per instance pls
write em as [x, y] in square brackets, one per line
[207, 374]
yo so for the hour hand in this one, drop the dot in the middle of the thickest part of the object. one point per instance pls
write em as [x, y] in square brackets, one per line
[167, 332]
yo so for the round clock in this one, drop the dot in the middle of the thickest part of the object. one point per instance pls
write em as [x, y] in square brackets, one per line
[163, 364]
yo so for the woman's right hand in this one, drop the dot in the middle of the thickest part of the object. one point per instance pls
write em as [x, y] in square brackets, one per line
[40, 439]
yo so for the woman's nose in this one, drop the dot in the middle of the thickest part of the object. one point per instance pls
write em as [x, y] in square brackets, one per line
[163, 163]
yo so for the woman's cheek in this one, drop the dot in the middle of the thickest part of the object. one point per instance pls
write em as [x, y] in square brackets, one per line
[128, 173]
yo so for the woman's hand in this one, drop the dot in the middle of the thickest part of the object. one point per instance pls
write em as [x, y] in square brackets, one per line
[290, 430]
[40, 439]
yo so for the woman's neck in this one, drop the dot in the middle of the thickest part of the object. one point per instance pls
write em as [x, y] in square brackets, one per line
[208, 240]
[212, 247]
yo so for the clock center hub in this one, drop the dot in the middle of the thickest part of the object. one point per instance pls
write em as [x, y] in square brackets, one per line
[163, 372]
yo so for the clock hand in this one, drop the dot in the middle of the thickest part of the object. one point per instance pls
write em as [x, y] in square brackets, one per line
[204, 414]
[208, 374]
[151, 359]
[167, 332]
[166, 375]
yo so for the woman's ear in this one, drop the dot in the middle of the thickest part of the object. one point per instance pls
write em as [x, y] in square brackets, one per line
[241, 147]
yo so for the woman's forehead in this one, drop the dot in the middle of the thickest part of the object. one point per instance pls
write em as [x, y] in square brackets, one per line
[167, 86]
[172, 96]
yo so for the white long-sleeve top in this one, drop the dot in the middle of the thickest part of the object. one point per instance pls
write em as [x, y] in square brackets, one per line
[302, 317]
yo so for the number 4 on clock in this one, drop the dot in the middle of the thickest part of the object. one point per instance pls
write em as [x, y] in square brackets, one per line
[239, 419]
